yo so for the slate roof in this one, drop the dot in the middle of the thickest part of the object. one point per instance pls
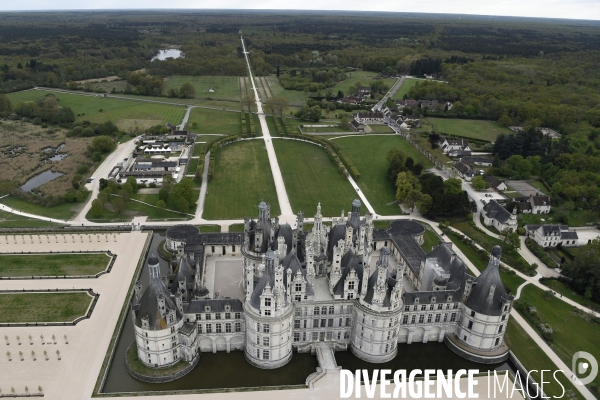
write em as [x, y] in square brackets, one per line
[495, 211]
[450, 263]
[216, 305]
[476, 160]
[569, 235]
[479, 299]
[464, 169]
[492, 180]
[182, 232]
[350, 261]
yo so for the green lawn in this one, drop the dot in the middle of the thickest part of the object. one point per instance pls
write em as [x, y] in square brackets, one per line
[193, 165]
[63, 211]
[311, 177]
[293, 124]
[408, 83]
[534, 359]
[365, 79]
[43, 307]
[511, 280]
[430, 239]
[209, 228]
[539, 186]
[134, 208]
[10, 220]
[242, 179]
[381, 129]
[572, 333]
[214, 121]
[52, 264]
[294, 97]
[565, 290]
[236, 228]
[119, 111]
[225, 87]
[470, 128]
[368, 155]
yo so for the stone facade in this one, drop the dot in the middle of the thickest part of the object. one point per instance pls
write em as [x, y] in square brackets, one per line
[346, 284]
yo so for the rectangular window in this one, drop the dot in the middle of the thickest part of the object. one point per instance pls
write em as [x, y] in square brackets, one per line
[330, 322]
[472, 313]
[265, 354]
[323, 323]
[207, 317]
[405, 320]
[470, 325]
[265, 341]
[258, 339]
[413, 319]
[429, 318]
[208, 328]
[423, 307]
[298, 312]
[296, 324]
[421, 318]
[228, 327]
[257, 353]
[351, 285]
[346, 335]
[406, 308]
[238, 315]
[453, 317]
[296, 336]
[331, 309]
[348, 321]
[268, 302]
[266, 328]
[218, 328]
[298, 287]
[437, 317]
[227, 315]
[315, 336]
[329, 335]
[233, 248]
[199, 328]
[198, 316]
[446, 317]
[218, 316]
[238, 327]
[316, 311]
[440, 306]
[267, 312]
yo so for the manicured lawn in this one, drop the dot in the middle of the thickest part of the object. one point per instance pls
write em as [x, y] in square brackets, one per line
[115, 110]
[236, 228]
[10, 220]
[511, 281]
[134, 208]
[476, 129]
[539, 186]
[242, 179]
[43, 307]
[368, 155]
[365, 78]
[565, 290]
[430, 239]
[408, 83]
[582, 217]
[214, 121]
[311, 177]
[380, 129]
[210, 228]
[52, 264]
[533, 358]
[225, 87]
[293, 123]
[572, 333]
[193, 165]
[63, 211]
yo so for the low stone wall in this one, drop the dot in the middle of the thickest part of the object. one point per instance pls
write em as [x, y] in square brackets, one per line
[160, 379]
[66, 229]
[493, 359]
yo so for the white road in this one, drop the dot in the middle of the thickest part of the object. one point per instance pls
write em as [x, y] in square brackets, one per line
[287, 215]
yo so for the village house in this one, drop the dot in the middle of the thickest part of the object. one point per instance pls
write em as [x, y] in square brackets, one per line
[496, 183]
[464, 171]
[452, 145]
[497, 216]
[369, 117]
[533, 204]
[552, 235]
[356, 126]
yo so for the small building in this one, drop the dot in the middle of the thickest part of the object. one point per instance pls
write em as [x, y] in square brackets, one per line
[496, 183]
[369, 117]
[534, 204]
[497, 216]
[464, 171]
[486, 162]
[448, 145]
[356, 126]
[552, 235]
[459, 153]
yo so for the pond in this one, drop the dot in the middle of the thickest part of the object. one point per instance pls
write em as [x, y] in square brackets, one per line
[40, 179]
[167, 53]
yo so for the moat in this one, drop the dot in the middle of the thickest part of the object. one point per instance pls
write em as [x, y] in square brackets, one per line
[223, 370]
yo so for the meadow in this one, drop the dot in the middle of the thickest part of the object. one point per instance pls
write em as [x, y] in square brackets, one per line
[469, 128]
[224, 87]
[214, 122]
[406, 86]
[311, 177]
[368, 153]
[242, 179]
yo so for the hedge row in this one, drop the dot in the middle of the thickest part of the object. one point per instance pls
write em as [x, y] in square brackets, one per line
[540, 253]
[286, 129]
[278, 126]
[252, 127]
[243, 119]
[337, 155]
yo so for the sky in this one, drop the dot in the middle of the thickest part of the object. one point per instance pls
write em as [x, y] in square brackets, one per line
[571, 9]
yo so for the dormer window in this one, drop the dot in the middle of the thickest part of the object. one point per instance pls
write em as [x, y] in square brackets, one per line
[433, 299]
[449, 299]
[417, 300]
[267, 302]
[207, 308]
[227, 307]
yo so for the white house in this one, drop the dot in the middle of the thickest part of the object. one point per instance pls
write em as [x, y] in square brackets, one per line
[496, 183]
[552, 235]
[534, 204]
[464, 171]
[497, 216]
[453, 145]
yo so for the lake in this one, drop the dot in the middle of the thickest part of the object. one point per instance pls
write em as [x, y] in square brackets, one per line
[40, 179]
[168, 53]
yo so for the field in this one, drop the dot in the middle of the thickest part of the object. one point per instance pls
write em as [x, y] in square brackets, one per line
[43, 307]
[430, 239]
[214, 122]
[365, 78]
[311, 177]
[242, 179]
[469, 128]
[534, 359]
[294, 97]
[52, 264]
[99, 109]
[572, 332]
[10, 220]
[368, 155]
[408, 83]
[25, 148]
[225, 87]
[565, 290]
[63, 211]
[381, 129]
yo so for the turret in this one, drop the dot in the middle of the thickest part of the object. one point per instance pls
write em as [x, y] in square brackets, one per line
[249, 281]
[138, 291]
[281, 246]
[179, 301]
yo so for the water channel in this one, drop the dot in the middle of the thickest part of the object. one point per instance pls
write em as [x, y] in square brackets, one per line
[231, 370]
[167, 53]
[39, 180]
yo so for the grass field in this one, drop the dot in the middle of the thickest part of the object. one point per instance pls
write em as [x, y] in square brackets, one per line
[43, 307]
[9, 220]
[225, 87]
[469, 128]
[209, 228]
[368, 155]
[381, 129]
[534, 359]
[99, 109]
[52, 264]
[134, 208]
[63, 211]
[365, 78]
[565, 290]
[408, 83]
[214, 121]
[311, 177]
[193, 165]
[430, 239]
[242, 179]
[294, 97]
[572, 333]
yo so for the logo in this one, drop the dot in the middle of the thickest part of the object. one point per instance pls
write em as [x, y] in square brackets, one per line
[580, 368]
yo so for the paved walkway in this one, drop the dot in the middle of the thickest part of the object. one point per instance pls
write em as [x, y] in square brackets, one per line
[287, 215]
